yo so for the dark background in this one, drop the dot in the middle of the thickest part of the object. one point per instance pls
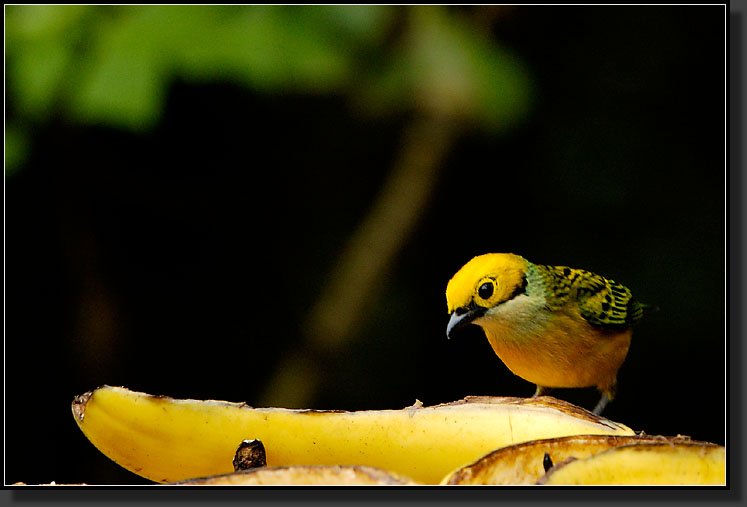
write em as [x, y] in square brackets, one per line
[185, 258]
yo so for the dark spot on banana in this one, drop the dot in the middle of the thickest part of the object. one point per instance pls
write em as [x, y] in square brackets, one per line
[249, 454]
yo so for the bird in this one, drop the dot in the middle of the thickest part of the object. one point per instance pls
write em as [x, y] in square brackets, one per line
[554, 326]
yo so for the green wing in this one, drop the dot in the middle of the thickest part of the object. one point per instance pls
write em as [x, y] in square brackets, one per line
[602, 302]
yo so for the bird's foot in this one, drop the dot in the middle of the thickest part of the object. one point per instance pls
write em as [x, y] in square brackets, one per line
[602, 403]
[541, 391]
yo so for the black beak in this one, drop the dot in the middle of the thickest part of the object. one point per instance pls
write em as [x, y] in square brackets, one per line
[461, 317]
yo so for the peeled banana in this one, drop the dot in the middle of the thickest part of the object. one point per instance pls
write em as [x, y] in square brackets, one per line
[645, 464]
[526, 463]
[168, 440]
[304, 475]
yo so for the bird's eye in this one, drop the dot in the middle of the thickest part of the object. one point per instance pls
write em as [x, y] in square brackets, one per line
[485, 290]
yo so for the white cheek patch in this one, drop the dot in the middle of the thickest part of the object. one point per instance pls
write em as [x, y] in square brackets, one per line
[522, 311]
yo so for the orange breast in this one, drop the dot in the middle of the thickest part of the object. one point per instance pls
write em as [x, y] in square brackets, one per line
[569, 352]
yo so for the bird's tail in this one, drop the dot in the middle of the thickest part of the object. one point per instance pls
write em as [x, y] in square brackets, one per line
[647, 308]
[636, 310]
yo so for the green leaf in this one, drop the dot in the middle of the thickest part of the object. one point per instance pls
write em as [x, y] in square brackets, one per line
[26, 23]
[37, 73]
[39, 48]
[112, 65]
[443, 66]
[268, 47]
[16, 149]
[122, 80]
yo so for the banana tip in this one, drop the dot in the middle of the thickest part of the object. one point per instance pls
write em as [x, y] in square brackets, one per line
[79, 405]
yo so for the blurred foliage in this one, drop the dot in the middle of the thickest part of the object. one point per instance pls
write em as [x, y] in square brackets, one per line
[112, 65]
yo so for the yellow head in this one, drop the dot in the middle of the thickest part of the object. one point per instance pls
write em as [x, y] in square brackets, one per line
[484, 282]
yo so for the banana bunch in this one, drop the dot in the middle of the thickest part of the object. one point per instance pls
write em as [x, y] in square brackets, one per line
[213, 442]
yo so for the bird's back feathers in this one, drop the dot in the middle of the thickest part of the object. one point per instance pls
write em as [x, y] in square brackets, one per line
[600, 301]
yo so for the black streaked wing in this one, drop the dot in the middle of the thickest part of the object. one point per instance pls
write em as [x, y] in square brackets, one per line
[601, 302]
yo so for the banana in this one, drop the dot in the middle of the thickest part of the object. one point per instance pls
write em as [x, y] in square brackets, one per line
[169, 440]
[645, 464]
[304, 475]
[526, 463]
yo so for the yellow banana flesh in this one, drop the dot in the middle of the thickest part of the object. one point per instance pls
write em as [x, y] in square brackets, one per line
[168, 440]
[525, 463]
[649, 464]
[309, 475]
